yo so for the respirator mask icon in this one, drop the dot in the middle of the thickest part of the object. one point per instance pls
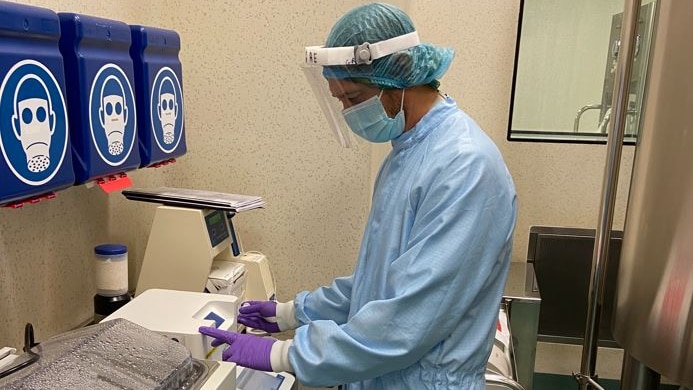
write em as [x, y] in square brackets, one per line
[113, 114]
[167, 109]
[33, 121]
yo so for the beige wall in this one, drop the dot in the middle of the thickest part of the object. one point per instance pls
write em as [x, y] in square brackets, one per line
[557, 184]
[253, 127]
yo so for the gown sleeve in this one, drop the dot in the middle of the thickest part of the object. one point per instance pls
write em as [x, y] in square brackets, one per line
[325, 303]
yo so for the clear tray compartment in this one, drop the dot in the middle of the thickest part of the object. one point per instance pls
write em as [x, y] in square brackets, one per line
[116, 354]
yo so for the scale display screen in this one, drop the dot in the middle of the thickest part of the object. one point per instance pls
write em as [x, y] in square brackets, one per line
[216, 227]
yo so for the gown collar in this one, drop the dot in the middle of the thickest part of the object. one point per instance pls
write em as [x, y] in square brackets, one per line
[430, 121]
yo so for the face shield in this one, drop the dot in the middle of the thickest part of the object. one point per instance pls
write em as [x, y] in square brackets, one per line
[342, 77]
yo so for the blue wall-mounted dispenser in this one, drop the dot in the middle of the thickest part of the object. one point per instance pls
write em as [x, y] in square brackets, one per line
[34, 125]
[159, 85]
[101, 97]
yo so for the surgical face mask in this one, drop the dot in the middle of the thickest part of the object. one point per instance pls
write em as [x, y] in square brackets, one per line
[369, 120]
[168, 115]
[113, 113]
[33, 126]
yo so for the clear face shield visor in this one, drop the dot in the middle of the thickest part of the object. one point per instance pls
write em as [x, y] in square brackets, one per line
[348, 84]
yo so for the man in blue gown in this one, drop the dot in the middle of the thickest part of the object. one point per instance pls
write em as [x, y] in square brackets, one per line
[420, 309]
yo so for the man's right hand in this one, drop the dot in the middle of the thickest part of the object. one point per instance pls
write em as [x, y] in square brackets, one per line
[259, 315]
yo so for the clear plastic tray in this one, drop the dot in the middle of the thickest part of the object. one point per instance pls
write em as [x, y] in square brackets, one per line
[116, 354]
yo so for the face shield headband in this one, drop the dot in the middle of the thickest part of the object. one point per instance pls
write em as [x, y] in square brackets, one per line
[363, 54]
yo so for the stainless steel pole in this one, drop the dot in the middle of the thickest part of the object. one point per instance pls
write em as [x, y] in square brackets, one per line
[614, 146]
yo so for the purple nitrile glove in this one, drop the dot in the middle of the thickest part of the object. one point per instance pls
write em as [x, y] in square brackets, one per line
[244, 349]
[255, 314]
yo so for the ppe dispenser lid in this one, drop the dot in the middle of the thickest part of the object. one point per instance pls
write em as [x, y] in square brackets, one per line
[155, 39]
[106, 31]
[23, 19]
[161, 113]
[110, 249]
[103, 111]
[35, 156]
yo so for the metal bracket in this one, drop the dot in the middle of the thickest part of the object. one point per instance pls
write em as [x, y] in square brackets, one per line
[584, 380]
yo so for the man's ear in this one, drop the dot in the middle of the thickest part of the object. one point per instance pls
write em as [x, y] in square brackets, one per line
[16, 127]
[51, 121]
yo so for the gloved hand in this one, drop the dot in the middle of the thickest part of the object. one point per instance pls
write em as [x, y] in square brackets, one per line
[255, 314]
[244, 349]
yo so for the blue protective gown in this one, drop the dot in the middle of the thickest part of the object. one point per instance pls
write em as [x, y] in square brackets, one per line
[420, 309]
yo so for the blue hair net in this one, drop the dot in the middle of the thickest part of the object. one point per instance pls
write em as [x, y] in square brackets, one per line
[419, 65]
